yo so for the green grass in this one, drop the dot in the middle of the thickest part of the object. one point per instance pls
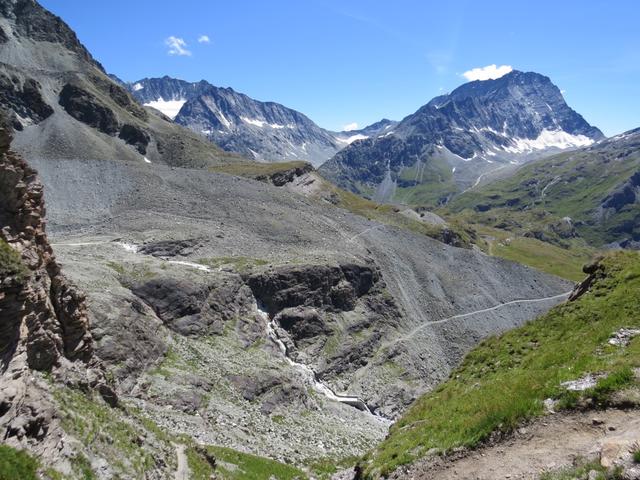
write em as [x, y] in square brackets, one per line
[131, 273]
[581, 471]
[255, 169]
[105, 430]
[576, 183]
[10, 263]
[636, 455]
[549, 258]
[505, 379]
[199, 466]
[17, 464]
[234, 465]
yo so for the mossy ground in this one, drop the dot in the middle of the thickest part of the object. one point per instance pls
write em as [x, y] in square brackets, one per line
[17, 464]
[506, 378]
[10, 262]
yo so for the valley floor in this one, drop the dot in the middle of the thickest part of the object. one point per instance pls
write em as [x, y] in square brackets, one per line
[549, 444]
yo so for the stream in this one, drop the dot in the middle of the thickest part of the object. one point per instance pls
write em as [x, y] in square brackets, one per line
[309, 375]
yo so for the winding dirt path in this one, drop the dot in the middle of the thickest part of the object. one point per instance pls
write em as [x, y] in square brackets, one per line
[484, 310]
[550, 443]
[182, 470]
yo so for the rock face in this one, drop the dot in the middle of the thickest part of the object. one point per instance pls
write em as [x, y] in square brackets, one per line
[196, 309]
[50, 82]
[43, 317]
[478, 127]
[52, 310]
[332, 288]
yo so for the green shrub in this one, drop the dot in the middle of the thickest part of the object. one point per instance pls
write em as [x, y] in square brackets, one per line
[16, 464]
[11, 263]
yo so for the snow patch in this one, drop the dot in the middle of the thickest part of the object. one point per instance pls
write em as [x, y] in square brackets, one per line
[169, 107]
[549, 139]
[223, 119]
[147, 160]
[352, 138]
[137, 86]
[262, 123]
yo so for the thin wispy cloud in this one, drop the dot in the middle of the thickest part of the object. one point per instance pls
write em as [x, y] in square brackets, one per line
[350, 126]
[490, 72]
[177, 46]
[204, 39]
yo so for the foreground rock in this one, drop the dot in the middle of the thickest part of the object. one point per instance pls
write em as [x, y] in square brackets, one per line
[43, 319]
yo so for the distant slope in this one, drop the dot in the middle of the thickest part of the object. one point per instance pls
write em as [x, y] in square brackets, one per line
[64, 106]
[507, 378]
[263, 131]
[593, 193]
[448, 144]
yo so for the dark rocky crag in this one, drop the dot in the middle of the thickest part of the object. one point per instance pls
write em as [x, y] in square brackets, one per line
[43, 317]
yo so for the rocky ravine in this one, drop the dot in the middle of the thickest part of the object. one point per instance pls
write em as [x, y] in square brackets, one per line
[179, 264]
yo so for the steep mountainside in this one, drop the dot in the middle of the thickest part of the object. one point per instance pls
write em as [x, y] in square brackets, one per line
[63, 105]
[592, 193]
[264, 131]
[450, 143]
[227, 313]
[582, 355]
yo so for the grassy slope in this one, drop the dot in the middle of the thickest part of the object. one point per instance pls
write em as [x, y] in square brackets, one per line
[17, 464]
[114, 434]
[563, 262]
[436, 182]
[575, 182]
[506, 378]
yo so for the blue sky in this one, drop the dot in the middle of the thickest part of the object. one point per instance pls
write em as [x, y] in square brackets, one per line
[355, 61]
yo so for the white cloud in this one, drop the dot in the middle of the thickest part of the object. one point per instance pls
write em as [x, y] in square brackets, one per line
[350, 126]
[490, 72]
[204, 39]
[177, 46]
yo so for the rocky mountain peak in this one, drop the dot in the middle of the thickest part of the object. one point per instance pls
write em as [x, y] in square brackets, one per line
[264, 131]
[477, 128]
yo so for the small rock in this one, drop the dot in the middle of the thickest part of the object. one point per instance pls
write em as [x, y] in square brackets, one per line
[597, 421]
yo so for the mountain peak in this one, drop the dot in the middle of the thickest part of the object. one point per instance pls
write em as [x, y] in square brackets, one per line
[478, 127]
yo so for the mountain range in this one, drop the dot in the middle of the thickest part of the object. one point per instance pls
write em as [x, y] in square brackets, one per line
[181, 310]
[262, 131]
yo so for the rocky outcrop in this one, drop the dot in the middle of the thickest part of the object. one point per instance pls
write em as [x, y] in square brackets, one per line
[48, 311]
[595, 270]
[334, 288]
[193, 308]
[86, 108]
[135, 136]
[283, 177]
[24, 98]
[625, 194]
[43, 317]
[36, 23]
